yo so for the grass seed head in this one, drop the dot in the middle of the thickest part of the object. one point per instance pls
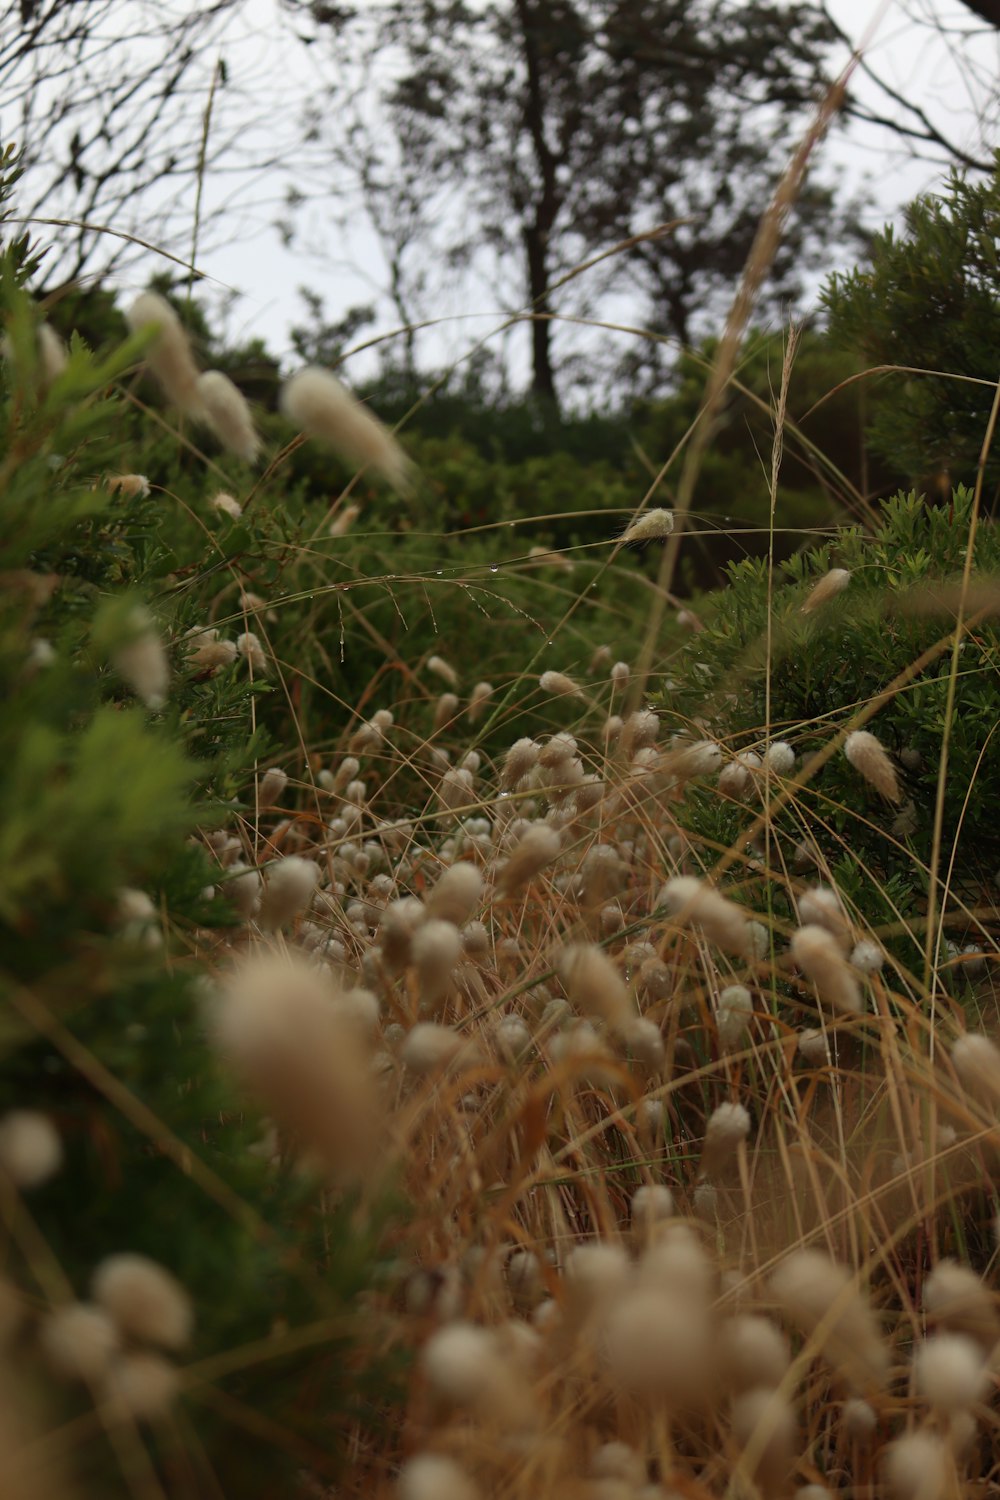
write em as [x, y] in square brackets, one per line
[870, 758]
[30, 1149]
[949, 1372]
[764, 1424]
[917, 1467]
[144, 1300]
[688, 899]
[169, 355]
[276, 1023]
[594, 985]
[78, 1342]
[559, 685]
[226, 505]
[142, 661]
[733, 1015]
[819, 956]
[228, 414]
[955, 1298]
[539, 846]
[145, 1385]
[456, 895]
[820, 1298]
[752, 1353]
[977, 1063]
[443, 669]
[289, 887]
[828, 587]
[659, 1346]
[649, 525]
[728, 1126]
[322, 408]
[52, 353]
[478, 699]
[434, 1476]
[430, 1048]
[860, 1420]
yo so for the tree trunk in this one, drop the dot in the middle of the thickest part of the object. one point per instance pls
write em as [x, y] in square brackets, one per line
[986, 10]
[546, 208]
[543, 381]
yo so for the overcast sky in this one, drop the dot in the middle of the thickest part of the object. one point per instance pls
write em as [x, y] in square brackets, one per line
[914, 58]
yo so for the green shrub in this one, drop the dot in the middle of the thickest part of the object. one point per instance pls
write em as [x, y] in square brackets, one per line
[930, 303]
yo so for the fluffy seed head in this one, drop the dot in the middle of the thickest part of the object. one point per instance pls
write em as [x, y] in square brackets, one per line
[728, 1126]
[977, 1063]
[733, 1015]
[30, 1149]
[344, 520]
[142, 661]
[539, 846]
[226, 505]
[307, 1060]
[442, 669]
[595, 986]
[434, 1476]
[243, 888]
[688, 899]
[290, 885]
[752, 1352]
[677, 1264]
[464, 1365]
[828, 587]
[699, 758]
[559, 685]
[956, 1299]
[659, 1346]
[949, 1372]
[649, 525]
[870, 758]
[818, 955]
[78, 1342]
[917, 1467]
[524, 1278]
[456, 895]
[478, 699]
[428, 1047]
[820, 1297]
[144, 1300]
[764, 1424]
[780, 758]
[169, 355]
[652, 1205]
[521, 758]
[249, 647]
[596, 1273]
[322, 408]
[132, 486]
[860, 1420]
[208, 653]
[52, 354]
[435, 949]
[867, 956]
[144, 1385]
[228, 414]
[820, 906]
[272, 785]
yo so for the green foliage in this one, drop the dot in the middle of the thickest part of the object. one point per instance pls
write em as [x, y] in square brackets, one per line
[930, 302]
[102, 1024]
[875, 642]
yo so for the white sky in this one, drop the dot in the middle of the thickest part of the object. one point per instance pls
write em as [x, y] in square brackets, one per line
[915, 59]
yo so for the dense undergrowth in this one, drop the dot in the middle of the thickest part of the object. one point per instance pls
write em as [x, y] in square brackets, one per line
[437, 1062]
